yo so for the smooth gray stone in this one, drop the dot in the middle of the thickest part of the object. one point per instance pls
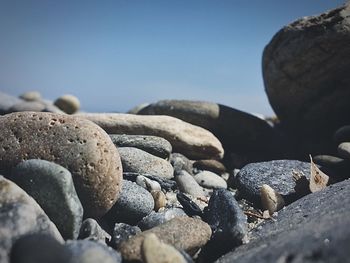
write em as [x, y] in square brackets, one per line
[51, 185]
[133, 204]
[278, 174]
[152, 144]
[157, 218]
[181, 162]
[138, 161]
[312, 229]
[188, 185]
[30, 96]
[86, 251]
[210, 180]
[6, 102]
[20, 215]
[91, 230]
[122, 232]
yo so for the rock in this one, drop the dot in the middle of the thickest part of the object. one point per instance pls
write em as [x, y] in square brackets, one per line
[157, 218]
[138, 161]
[305, 70]
[20, 215]
[228, 223]
[68, 103]
[154, 251]
[181, 162]
[159, 199]
[91, 230]
[28, 106]
[52, 188]
[133, 204]
[165, 184]
[254, 137]
[271, 200]
[121, 233]
[187, 184]
[185, 233]
[195, 142]
[342, 134]
[152, 144]
[210, 180]
[6, 102]
[137, 108]
[312, 229]
[31, 96]
[189, 206]
[77, 144]
[148, 184]
[86, 251]
[210, 165]
[34, 248]
[337, 168]
[278, 174]
[344, 150]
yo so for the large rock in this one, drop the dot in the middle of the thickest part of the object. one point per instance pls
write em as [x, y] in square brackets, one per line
[77, 144]
[238, 131]
[190, 140]
[305, 69]
[313, 229]
[20, 215]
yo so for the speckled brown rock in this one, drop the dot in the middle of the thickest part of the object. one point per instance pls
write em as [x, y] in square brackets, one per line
[190, 140]
[184, 233]
[77, 144]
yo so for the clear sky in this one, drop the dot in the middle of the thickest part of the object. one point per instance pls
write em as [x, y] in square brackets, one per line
[117, 54]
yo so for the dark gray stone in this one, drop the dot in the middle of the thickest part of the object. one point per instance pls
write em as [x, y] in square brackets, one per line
[156, 218]
[277, 174]
[91, 230]
[6, 102]
[138, 161]
[51, 185]
[86, 251]
[181, 162]
[312, 229]
[133, 204]
[122, 232]
[20, 215]
[228, 223]
[36, 248]
[152, 144]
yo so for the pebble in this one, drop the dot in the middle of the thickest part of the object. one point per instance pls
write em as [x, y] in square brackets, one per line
[152, 144]
[52, 188]
[210, 165]
[133, 204]
[187, 184]
[155, 251]
[20, 215]
[68, 103]
[164, 183]
[210, 180]
[189, 206]
[342, 134]
[271, 200]
[344, 150]
[185, 233]
[6, 102]
[86, 251]
[278, 174]
[91, 230]
[76, 144]
[159, 199]
[181, 162]
[28, 106]
[157, 218]
[30, 96]
[138, 161]
[194, 141]
[148, 184]
[121, 233]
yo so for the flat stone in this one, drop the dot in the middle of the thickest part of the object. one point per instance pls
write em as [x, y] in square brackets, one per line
[138, 161]
[312, 229]
[86, 251]
[185, 233]
[68, 103]
[6, 102]
[181, 162]
[76, 144]
[133, 204]
[193, 141]
[210, 180]
[278, 174]
[344, 150]
[210, 165]
[157, 218]
[20, 215]
[152, 144]
[91, 230]
[52, 188]
[30, 96]
[187, 184]
[121, 233]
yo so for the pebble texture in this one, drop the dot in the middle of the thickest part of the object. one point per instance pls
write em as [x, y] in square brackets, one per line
[77, 144]
[194, 141]
[183, 233]
[20, 215]
[277, 174]
[52, 188]
[138, 161]
[312, 229]
[305, 69]
[152, 144]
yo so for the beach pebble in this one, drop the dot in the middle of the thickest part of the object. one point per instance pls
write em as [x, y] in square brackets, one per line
[157, 218]
[148, 184]
[91, 230]
[68, 103]
[187, 184]
[210, 180]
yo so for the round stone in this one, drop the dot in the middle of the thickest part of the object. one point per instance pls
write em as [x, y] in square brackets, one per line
[68, 103]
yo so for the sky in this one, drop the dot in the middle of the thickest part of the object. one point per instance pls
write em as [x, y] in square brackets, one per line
[114, 55]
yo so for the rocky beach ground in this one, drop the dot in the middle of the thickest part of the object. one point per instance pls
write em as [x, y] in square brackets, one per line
[188, 181]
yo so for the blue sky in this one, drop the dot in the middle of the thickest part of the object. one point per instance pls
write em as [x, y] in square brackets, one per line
[117, 54]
